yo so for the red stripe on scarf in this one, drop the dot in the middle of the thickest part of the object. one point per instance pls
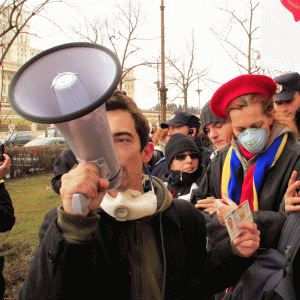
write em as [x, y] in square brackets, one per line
[247, 187]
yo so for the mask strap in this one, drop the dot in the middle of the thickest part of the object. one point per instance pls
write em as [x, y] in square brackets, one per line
[150, 177]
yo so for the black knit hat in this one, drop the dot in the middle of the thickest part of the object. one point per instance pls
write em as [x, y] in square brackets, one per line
[207, 117]
[178, 143]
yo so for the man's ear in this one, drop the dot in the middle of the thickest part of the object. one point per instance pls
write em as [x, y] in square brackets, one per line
[147, 152]
[192, 133]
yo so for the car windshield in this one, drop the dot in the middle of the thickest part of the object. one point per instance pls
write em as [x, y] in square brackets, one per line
[39, 142]
[10, 136]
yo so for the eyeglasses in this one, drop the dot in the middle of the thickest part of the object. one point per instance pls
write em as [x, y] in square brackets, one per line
[182, 156]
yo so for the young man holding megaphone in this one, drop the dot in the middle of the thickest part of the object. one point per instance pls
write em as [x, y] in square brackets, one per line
[134, 242]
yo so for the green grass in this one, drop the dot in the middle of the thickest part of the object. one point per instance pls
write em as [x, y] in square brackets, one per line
[32, 198]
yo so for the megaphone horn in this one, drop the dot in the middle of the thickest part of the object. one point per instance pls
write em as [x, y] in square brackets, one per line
[68, 85]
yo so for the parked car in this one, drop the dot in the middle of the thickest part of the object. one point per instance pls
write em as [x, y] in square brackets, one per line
[49, 141]
[28, 159]
[17, 139]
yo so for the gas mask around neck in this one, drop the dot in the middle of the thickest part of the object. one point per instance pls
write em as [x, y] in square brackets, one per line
[130, 204]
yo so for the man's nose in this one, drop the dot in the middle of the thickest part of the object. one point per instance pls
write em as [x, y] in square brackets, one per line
[170, 131]
[188, 159]
[213, 133]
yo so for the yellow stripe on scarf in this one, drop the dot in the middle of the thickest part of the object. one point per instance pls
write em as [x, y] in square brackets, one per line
[278, 153]
[226, 172]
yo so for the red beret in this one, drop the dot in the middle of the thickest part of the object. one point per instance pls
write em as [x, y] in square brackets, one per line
[238, 86]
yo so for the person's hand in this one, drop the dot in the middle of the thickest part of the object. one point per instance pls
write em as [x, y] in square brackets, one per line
[84, 179]
[292, 197]
[224, 207]
[248, 241]
[209, 204]
[4, 168]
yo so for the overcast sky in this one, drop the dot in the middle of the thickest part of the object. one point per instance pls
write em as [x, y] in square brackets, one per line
[181, 17]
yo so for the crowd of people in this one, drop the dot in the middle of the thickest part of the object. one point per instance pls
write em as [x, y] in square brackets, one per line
[173, 243]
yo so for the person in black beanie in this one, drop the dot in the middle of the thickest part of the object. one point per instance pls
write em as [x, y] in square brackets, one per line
[184, 163]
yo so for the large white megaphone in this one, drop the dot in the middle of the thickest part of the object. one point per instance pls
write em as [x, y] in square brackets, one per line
[69, 85]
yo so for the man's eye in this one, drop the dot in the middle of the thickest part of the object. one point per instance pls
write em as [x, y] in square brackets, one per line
[122, 140]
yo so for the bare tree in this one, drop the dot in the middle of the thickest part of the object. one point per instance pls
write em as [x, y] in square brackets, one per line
[14, 20]
[181, 74]
[15, 16]
[239, 33]
[120, 31]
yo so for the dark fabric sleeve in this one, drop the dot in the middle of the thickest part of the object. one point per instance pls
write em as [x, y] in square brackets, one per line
[210, 185]
[39, 281]
[221, 266]
[269, 223]
[7, 217]
[64, 164]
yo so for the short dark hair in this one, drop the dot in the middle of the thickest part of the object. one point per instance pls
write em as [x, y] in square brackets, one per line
[120, 101]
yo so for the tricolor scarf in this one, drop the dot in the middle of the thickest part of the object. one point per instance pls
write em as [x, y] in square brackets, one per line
[248, 191]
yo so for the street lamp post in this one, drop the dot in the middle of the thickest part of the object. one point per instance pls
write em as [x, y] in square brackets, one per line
[163, 89]
[199, 91]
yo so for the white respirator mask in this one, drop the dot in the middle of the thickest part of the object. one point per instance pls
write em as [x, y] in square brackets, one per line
[130, 204]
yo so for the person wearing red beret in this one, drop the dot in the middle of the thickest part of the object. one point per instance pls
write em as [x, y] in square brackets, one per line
[256, 166]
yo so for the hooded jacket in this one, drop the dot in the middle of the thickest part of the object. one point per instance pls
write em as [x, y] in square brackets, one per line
[91, 257]
[180, 184]
[161, 167]
[269, 218]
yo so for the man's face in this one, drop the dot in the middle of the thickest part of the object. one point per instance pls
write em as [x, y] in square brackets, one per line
[220, 134]
[289, 107]
[178, 129]
[128, 148]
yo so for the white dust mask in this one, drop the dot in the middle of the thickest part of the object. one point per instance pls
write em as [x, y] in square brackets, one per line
[130, 205]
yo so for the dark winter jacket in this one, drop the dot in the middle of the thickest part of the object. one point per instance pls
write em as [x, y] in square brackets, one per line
[180, 184]
[270, 195]
[7, 217]
[64, 164]
[100, 264]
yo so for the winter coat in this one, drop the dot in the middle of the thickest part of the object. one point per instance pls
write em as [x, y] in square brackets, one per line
[7, 217]
[180, 184]
[64, 164]
[100, 266]
[268, 218]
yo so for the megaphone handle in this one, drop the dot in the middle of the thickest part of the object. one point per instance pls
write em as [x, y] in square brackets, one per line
[80, 203]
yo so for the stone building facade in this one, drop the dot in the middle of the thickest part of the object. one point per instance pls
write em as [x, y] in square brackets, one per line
[19, 52]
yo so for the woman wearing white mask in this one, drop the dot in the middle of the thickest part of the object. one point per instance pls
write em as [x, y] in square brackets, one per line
[256, 166]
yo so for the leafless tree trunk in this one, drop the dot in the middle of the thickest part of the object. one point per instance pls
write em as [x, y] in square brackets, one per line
[239, 34]
[182, 75]
[13, 21]
[119, 32]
